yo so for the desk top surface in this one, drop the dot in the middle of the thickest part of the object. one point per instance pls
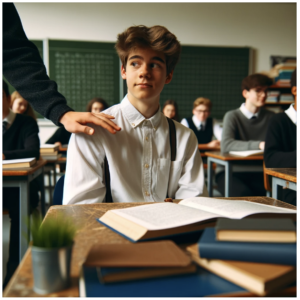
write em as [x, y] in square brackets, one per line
[90, 232]
[227, 156]
[289, 174]
[24, 171]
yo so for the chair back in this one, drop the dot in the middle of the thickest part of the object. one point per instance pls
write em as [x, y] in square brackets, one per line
[58, 191]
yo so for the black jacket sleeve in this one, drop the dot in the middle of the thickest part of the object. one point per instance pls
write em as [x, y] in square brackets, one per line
[60, 135]
[29, 134]
[276, 154]
[25, 70]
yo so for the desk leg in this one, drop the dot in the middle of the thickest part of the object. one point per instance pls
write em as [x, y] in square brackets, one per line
[228, 174]
[274, 189]
[209, 177]
[24, 217]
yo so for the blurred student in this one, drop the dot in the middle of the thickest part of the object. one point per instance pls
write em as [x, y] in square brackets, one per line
[170, 110]
[97, 105]
[281, 141]
[245, 128]
[204, 127]
[20, 140]
[21, 106]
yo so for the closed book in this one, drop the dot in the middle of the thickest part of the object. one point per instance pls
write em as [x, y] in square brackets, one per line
[18, 163]
[50, 156]
[247, 153]
[259, 278]
[48, 148]
[160, 220]
[256, 230]
[199, 284]
[272, 253]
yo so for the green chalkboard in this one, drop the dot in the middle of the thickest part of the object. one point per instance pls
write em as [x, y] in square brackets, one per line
[212, 72]
[84, 70]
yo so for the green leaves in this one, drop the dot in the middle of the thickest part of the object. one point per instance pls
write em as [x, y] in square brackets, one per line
[53, 233]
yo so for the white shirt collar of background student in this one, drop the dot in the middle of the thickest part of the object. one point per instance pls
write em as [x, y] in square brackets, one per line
[9, 118]
[198, 123]
[139, 161]
[248, 114]
[292, 113]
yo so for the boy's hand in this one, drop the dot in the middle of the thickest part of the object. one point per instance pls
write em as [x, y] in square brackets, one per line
[75, 122]
[214, 144]
[262, 145]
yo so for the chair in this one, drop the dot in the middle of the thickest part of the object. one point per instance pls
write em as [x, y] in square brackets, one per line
[267, 184]
[58, 191]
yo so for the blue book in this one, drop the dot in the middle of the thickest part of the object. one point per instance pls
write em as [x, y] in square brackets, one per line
[273, 253]
[200, 284]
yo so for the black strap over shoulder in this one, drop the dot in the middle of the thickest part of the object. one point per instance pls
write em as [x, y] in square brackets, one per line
[172, 134]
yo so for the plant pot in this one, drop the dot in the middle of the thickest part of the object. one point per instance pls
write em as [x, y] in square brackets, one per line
[51, 269]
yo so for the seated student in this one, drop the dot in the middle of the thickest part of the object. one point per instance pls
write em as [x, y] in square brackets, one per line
[203, 126]
[20, 140]
[21, 106]
[139, 156]
[245, 129]
[281, 141]
[97, 105]
[170, 110]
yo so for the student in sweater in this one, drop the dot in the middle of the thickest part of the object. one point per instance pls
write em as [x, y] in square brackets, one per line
[245, 129]
[281, 141]
[204, 127]
[20, 140]
[139, 156]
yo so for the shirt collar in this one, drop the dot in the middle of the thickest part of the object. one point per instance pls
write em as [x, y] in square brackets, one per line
[248, 114]
[197, 122]
[135, 118]
[10, 117]
[292, 113]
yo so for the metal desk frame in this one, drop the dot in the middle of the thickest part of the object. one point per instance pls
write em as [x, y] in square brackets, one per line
[281, 182]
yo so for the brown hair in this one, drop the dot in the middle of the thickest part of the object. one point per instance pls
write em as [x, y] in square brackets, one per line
[202, 101]
[256, 80]
[100, 100]
[158, 38]
[172, 102]
[294, 78]
[29, 111]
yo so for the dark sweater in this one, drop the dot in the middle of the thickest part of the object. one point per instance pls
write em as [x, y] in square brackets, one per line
[25, 70]
[21, 140]
[281, 142]
[203, 136]
[60, 135]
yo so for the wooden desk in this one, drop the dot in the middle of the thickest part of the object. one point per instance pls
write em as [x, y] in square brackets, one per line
[21, 178]
[285, 177]
[227, 160]
[90, 232]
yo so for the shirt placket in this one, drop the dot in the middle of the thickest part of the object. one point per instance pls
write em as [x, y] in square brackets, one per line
[147, 161]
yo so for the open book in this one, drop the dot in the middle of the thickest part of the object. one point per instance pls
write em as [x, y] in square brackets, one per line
[193, 214]
[247, 153]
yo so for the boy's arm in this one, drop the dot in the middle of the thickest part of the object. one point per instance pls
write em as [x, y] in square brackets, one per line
[274, 155]
[84, 182]
[29, 131]
[229, 141]
[191, 182]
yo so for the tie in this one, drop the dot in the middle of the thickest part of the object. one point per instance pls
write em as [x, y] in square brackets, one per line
[253, 117]
[4, 126]
[201, 127]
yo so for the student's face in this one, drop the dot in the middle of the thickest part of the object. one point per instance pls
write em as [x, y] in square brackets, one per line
[201, 112]
[97, 107]
[256, 96]
[19, 106]
[169, 111]
[145, 74]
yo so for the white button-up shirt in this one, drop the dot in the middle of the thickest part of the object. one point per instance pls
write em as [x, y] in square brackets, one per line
[292, 114]
[9, 118]
[139, 161]
[248, 114]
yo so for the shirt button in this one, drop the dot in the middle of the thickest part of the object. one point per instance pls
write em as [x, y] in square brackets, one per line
[147, 138]
[146, 166]
[154, 128]
[132, 124]
[147, 194]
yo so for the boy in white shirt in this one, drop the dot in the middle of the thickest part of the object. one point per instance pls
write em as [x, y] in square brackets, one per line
[139, 156]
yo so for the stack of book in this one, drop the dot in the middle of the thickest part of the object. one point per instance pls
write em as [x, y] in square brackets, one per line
[18, 163]
[286, 98]
[49, 152]
[285, 73]
[256, 254]
[272, 96]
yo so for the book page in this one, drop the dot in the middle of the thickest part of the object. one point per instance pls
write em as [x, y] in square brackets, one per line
[233, 209]
[164, 215]
[246, 153]
[17, 161]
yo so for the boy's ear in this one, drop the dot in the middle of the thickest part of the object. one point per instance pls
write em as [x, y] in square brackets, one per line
[169, 77]
[123, 72]
[294, 90]
[245, 93]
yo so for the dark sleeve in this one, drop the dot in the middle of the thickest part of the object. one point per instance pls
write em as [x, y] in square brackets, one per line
[29, 134]
[274, 154]
[60, 135]
[25, 70]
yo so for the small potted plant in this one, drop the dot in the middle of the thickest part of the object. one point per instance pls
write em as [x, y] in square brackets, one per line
[51, 250]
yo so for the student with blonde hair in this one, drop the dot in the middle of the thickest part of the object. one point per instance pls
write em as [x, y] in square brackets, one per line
[21, 106]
